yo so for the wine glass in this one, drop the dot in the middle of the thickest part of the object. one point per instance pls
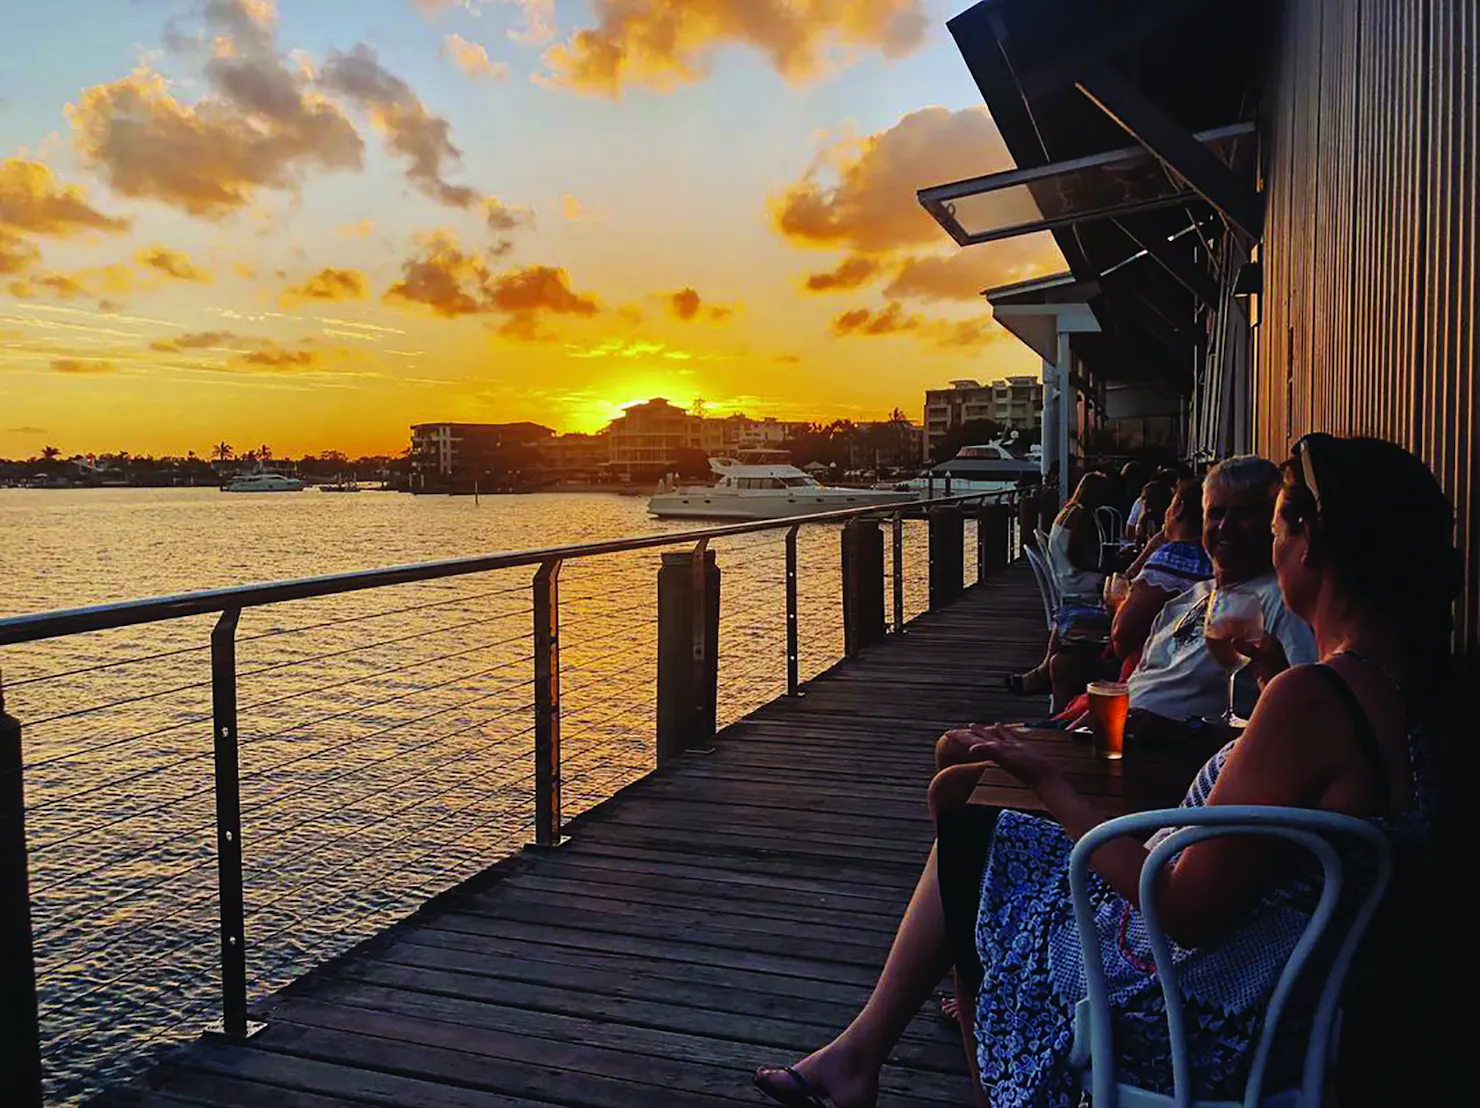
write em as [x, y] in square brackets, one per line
[1233, 616]
[1117, 589]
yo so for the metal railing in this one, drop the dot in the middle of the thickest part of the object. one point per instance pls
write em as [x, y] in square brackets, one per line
[569, 676]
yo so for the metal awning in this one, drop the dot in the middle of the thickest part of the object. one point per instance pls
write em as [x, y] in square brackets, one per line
[1037, 312]
[1116, 183]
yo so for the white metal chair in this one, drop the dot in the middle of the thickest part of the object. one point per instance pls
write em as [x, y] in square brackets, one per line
[1094, 1053]
[1111, 525]
[1046, 587]
[1042, 540]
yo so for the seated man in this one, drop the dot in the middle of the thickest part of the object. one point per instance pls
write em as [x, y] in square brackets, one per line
[1178, 682]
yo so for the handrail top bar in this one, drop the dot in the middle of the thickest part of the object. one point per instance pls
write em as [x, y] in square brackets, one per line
[36, 626]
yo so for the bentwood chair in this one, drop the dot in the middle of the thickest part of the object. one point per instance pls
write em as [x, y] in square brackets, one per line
[1319, 832]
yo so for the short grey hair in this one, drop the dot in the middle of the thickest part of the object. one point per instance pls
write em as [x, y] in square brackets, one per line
[1245, 474]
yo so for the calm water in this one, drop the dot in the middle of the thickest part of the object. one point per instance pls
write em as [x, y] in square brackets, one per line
[386, 736]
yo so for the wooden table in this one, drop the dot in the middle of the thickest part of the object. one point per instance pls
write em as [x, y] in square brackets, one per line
[1149, 777]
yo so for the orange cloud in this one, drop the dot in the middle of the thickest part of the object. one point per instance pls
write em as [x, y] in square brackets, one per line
[412, 132]
[889, 321]
[83, 365]
[328, 283]
[360, 230]
[452, 283]
[16, 254]
[862, 195]
[686, 304]
[94, 281]
[172, 264]
[274, 357]
[32, 199]
[664, 43]
[261, 125]
[964, 274]
[196, 340]
[575, 212]
[472, 59]
[850, 273]
[245, 270]
[943, 334]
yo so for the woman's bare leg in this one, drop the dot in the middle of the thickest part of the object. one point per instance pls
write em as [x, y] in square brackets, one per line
[847, 1069]
[966, 1016]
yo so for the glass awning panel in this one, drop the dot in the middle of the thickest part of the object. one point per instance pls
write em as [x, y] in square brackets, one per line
[1099, 186]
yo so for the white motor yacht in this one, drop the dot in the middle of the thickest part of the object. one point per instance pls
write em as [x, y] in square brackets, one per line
[763, 492]
[264, 481]
[990, 467]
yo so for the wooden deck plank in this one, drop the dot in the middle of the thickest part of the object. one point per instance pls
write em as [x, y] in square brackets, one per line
[730, 912]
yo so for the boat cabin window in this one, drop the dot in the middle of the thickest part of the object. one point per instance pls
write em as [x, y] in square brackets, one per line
[802, 482]
[760, 483]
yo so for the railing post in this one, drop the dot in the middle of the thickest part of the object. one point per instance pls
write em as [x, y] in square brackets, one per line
[688, 659]
[705, 612]
[547, 821]
[994, 537]
[863, 585]
[947, 539]
[233, 1022]
[897, 527]
[793, 658]
[20, 1023]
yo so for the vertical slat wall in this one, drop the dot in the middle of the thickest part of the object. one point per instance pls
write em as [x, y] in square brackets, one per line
[1369, 253]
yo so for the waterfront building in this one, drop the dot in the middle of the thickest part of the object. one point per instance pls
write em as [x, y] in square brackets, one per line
[1015, 402]
[447, 452]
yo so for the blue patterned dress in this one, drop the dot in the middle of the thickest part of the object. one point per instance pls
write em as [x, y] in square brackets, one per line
[1030, 951]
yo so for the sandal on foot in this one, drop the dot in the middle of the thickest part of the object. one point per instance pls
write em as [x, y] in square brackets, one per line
[1018, 687]
[801, 1094]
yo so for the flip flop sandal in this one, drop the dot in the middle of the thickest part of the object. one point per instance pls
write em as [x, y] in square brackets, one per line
[803, 1094]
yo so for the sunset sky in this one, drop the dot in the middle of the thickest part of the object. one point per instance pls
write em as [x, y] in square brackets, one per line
[311, 223]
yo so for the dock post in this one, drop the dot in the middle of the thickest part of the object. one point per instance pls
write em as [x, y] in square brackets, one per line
[547, 819]
[688, 658]
[793, 658]
[20, 1022]
[897, 527]
[863, 585]
[233, 1023]
[993, 538]
[947, 540]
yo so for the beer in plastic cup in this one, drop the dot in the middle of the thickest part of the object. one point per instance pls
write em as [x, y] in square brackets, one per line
[1108, 703]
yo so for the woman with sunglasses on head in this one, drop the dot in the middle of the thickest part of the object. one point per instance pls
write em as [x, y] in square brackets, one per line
[1347, 734]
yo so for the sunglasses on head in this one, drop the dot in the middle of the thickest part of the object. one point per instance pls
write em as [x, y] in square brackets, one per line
[1308, 449]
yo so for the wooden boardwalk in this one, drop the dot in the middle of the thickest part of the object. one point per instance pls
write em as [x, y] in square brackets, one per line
[731, 911]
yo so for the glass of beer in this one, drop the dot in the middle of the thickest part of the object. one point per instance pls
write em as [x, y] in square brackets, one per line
[1117, 588]
[1108, 703]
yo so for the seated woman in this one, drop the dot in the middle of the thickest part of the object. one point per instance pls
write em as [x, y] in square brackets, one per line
[1347, 734]
[1172, 561]
[1081, 623]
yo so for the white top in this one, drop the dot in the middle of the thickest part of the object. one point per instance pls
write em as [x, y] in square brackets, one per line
[1083, 586]
[1135, 517]
[1178, 678]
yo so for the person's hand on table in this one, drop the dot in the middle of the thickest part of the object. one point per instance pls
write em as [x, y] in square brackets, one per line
[1021, 758]
[1267, 657]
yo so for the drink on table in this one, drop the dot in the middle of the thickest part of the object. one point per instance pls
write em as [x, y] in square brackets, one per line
[1117, 589]
[1232, 617]
[1108, 703]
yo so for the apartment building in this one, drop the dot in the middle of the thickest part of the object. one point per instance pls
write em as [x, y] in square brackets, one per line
[1015, 402]
[448, 451]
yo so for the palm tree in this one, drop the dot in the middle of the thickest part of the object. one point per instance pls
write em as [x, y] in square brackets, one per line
[264, 452]
[222, 452]
[50, 453]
